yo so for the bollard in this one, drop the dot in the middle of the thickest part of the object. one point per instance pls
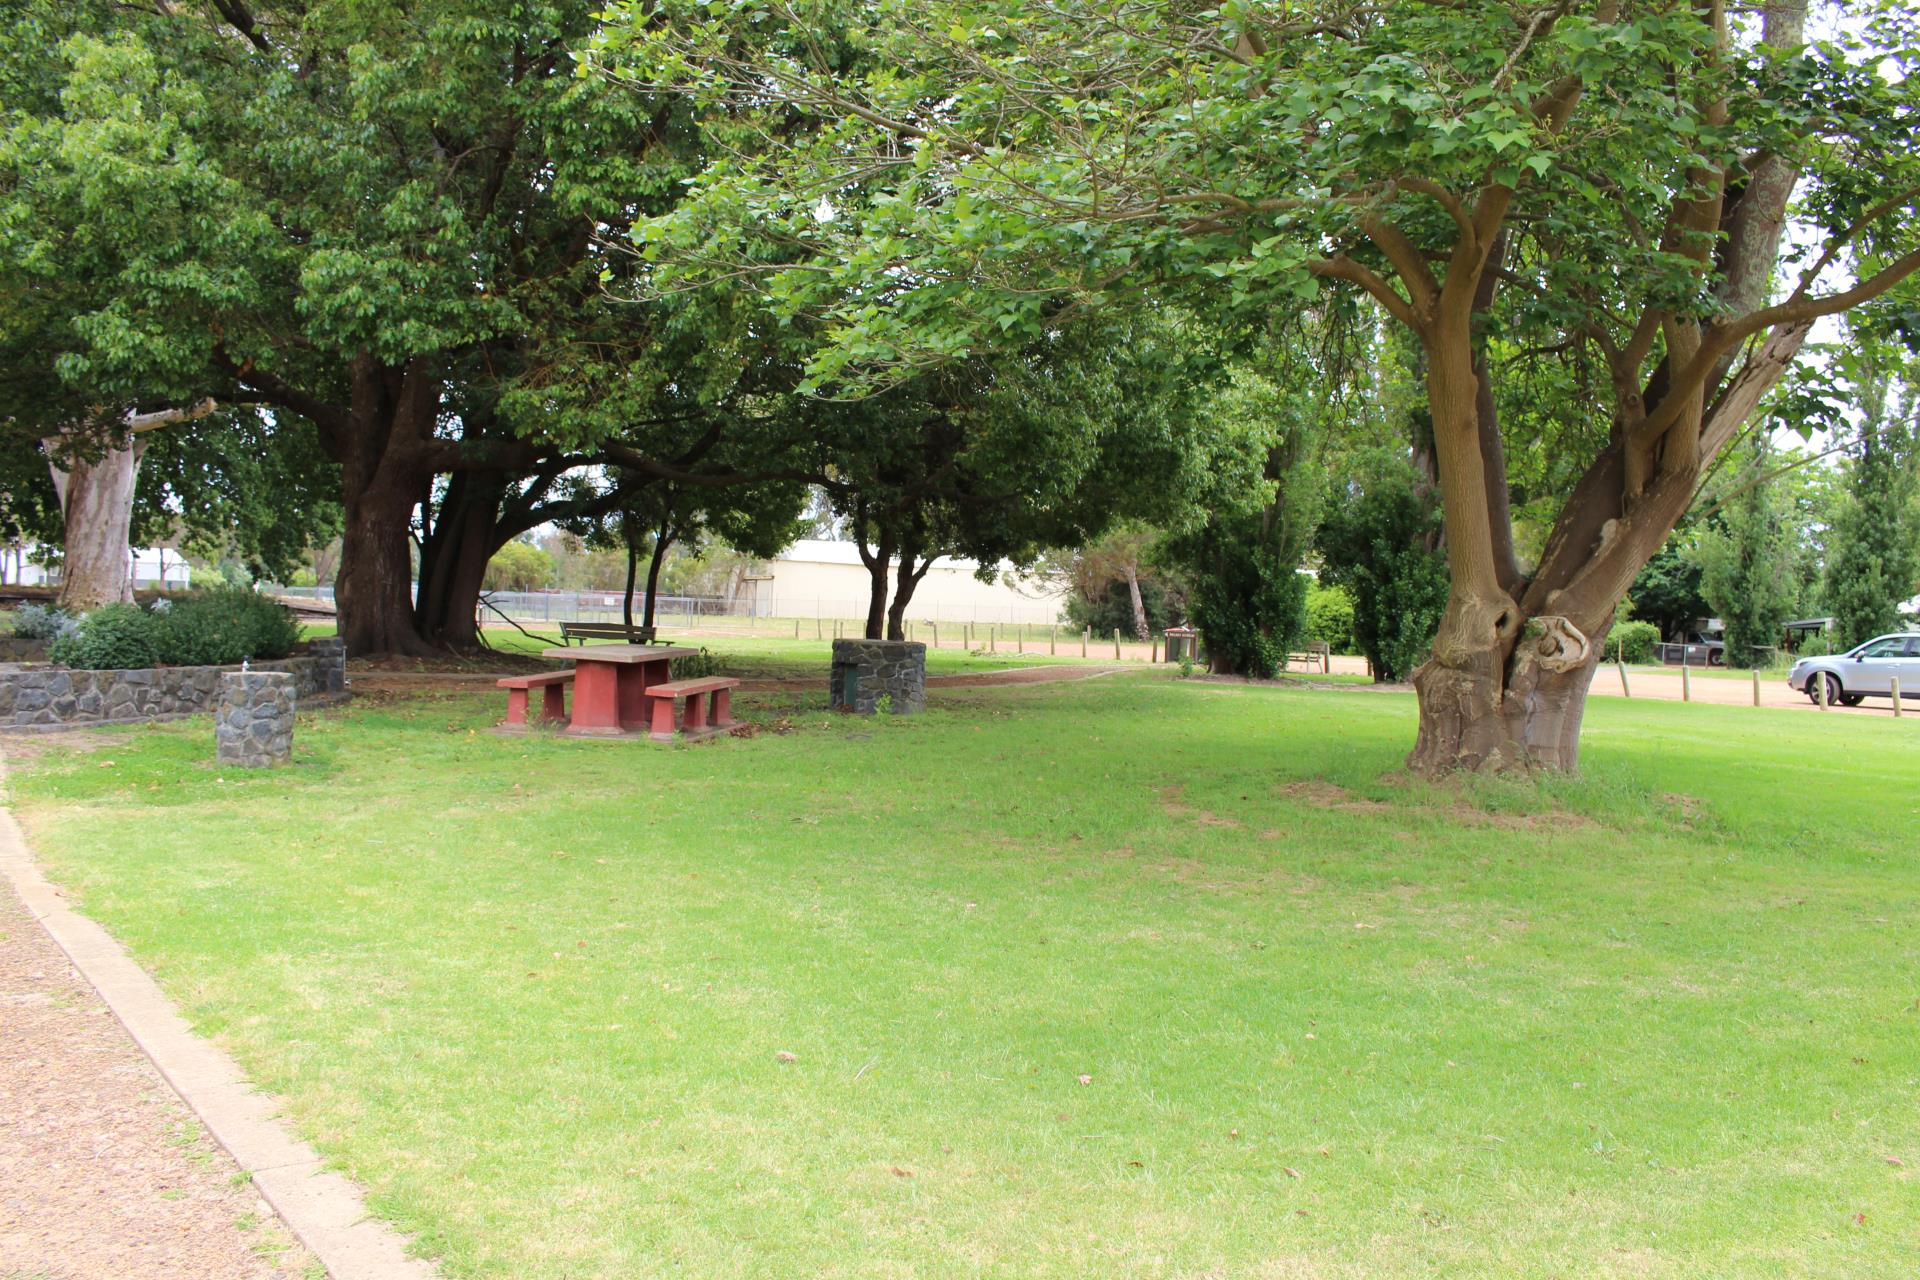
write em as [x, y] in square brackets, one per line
[1116, 644]
[1686, 683]
[1053, 639]
[1820, 691]
[1896, 697]
[796, 628]
[935, 628]
[1085, 637]
[1153, 650]
[993, 637]
[1625, 690]
[1756, 686]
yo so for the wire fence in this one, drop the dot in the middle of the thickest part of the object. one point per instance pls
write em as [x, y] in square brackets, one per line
[753, 614]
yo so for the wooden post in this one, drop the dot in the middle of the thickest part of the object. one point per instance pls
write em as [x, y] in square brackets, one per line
[1626, 691]
[1820, 689]
[993, 637]
[1021, 642]
[1085, 637]
[1153, 652]
[935, 627]
[1116, 644]
[1756, 686]
[1686, 683]
[1896, 697]
[796, 628]
[1053, 639]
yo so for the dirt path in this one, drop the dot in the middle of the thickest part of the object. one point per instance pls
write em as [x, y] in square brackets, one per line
[103, 1173]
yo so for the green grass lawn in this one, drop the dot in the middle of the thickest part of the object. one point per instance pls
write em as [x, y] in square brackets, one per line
[1125, 977]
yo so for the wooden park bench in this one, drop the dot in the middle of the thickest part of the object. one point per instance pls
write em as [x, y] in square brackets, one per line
[553, 699]
[709, 707]
[585, 631]
[1318, 653]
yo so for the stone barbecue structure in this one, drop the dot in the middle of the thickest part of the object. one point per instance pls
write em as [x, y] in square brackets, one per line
[253, 721]
[864, 671]
[44, 698]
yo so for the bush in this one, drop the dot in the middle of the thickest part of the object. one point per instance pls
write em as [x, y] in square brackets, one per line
[1330, 617]
[114, 637]
[1633, 641]
[39, 621]
[224, 626]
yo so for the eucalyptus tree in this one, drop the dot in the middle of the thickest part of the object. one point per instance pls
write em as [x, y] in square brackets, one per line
[1607, 176]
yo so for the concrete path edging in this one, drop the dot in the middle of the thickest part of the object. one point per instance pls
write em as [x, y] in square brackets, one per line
[323, 1209]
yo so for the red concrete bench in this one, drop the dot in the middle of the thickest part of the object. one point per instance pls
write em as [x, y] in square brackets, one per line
[553, 700]
[709, 707]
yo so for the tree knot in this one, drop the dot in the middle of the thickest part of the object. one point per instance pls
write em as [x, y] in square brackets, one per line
[1558, 645]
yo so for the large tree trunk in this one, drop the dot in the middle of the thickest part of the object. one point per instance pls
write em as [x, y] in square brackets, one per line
[878, 562]
[454, 557]
[905, 583]
[1485, 712]
[1141, 631]
[388, 460]
[633, 573]
[96, 504]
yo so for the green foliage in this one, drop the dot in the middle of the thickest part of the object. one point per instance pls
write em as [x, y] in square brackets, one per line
[519, 566]
[1875, 551]
[1633, 641]
[225, 625]
[1746, 565]
[1330, 616]
[1112, 610]
[1667, 592]
[695, 666]
[1377, 542]
[39, 621]
[114, 637]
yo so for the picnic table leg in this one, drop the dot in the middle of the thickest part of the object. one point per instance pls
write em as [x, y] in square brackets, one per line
[722, 708]
[553, 702]
[596, 697]
[517, 708]
[696, 717]
[662, 719]
[635, 680]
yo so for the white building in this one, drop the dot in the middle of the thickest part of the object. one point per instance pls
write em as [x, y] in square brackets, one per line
[819, 579]
[152, 567]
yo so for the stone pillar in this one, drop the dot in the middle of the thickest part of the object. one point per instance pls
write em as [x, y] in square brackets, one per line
[333, 674]
[864, 671]
[253, 721]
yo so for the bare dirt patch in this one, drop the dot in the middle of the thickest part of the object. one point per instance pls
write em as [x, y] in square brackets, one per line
[1330, 795]
[102, 1170]
[1173, 804]
[31, 746]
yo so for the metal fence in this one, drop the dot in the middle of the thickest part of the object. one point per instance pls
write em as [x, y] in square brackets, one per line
[608, 606]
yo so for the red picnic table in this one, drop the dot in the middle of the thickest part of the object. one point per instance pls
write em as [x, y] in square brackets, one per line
[610, 683]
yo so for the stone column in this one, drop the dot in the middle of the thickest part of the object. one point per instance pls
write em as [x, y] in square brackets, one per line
[864, 671]
[332, 650]
[253, 721]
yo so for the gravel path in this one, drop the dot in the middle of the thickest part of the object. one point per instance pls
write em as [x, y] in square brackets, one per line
[104, 1175]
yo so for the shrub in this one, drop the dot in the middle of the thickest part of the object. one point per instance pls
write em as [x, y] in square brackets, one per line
[39, 621]
[114, 637]
[224, 626]
[1330, 617]
[1633, 641]
[695, 666]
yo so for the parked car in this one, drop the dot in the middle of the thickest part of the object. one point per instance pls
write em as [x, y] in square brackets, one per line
[1867, 670]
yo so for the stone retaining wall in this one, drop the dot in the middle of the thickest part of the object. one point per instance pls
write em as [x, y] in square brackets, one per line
[42, 698]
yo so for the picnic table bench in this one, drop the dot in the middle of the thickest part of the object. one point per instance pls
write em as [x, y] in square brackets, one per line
[553, 704]
[585, 631]
[1317, 652]
[709, 707]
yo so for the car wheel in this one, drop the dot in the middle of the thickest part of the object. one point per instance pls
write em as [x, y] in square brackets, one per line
[1852, 699]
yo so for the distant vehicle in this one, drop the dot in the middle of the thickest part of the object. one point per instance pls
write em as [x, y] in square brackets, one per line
[1867, 670]
[1693, 649]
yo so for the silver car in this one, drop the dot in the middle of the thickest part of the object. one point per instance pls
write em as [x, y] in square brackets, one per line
[1869, 669]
